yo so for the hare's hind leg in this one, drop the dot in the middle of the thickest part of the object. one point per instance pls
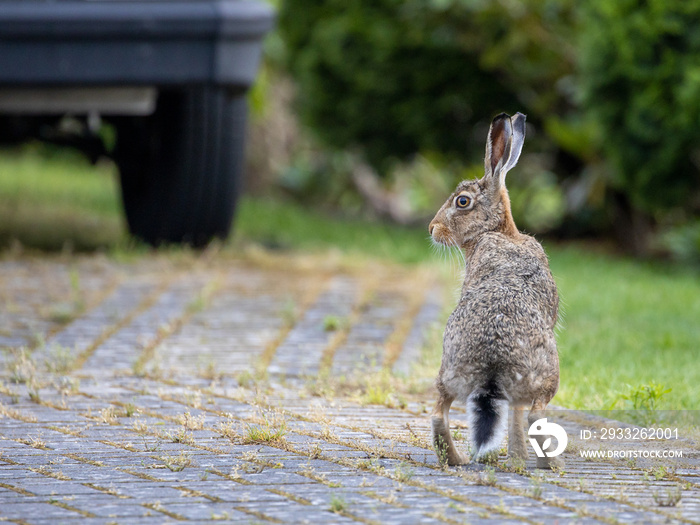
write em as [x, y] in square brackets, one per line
[442, 438]
[516, 437]
[537, 412]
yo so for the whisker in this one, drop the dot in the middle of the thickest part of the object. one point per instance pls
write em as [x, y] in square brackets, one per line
[450, 254]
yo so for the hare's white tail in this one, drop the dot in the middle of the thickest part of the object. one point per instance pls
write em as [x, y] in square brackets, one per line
[487, 413]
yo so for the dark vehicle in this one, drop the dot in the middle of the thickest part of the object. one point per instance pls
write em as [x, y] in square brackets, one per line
[169, 76]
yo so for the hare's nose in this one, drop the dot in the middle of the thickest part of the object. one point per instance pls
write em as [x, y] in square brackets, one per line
[431, 227]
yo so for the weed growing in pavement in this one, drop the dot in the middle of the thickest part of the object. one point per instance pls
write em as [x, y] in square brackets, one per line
[441, 451]
[270, 427]
[65, 312]
[138, 368]
[16, 414]
[663, 472]
[338, 504]
[490, 458]
[76, 292]
[140, 427]
[67, 385]
[21, 365]
[641, 402]
[227, 430]
[582, 485]
[177, 463]
[315, 451]
[331, 323]
[366, 464]
[60, 360]
[151, 447]
[377, 395]
[536, 488]
[454, 506]
[515, 465]
[62, 313]
[33, 391]
[193, 398]
[308, 471]
[108, 415]
[289, 313]
[246, 379]
[208, 369]
[403, 472]
[487, 477]
[37, 442]
[191, 422]
[671, 498]
[327, 433]
[182, 436]
[381, 388]
[7, 391]
[251, 468]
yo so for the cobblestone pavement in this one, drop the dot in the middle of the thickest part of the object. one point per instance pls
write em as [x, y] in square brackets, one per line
[177, 388]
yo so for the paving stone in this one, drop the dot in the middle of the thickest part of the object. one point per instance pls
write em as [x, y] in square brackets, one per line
[70, 454]
[425, 321]
[209, 511]
[81, 334]
[122, 350]
[29, 510]
[301, 351]
[205, 343]
[363, 348]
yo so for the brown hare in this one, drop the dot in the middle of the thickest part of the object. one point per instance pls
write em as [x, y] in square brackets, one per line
[499, 348]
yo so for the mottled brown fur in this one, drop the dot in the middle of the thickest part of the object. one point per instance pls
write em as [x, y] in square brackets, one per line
[499, 341]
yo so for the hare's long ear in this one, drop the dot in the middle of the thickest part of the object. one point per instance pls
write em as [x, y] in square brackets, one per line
[503, 146]
[518, 124]
[498, 145]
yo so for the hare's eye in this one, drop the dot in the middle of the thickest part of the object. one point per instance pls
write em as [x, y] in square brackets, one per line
[463, 201]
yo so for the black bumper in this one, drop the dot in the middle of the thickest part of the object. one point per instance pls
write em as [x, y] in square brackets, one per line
[120, 43]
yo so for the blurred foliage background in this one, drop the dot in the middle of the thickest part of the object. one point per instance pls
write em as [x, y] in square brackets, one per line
[378, 107]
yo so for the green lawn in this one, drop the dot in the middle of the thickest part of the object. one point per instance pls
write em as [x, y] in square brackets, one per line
[623, 323]
[281, 224]
[626, 323]
[50, 198]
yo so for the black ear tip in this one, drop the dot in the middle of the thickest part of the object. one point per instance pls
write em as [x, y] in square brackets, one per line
[501, 116]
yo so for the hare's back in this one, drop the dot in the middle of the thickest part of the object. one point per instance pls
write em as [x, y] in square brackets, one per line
[509, 301]
[505, 274]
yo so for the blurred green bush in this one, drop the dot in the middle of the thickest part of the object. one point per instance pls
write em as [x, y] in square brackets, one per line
[396, 77]
[639, 65]
[640, 81]
[412, 86]
[612, 90]
[684, 242]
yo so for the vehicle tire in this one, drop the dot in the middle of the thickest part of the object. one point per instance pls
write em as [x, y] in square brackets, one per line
[180, 168]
